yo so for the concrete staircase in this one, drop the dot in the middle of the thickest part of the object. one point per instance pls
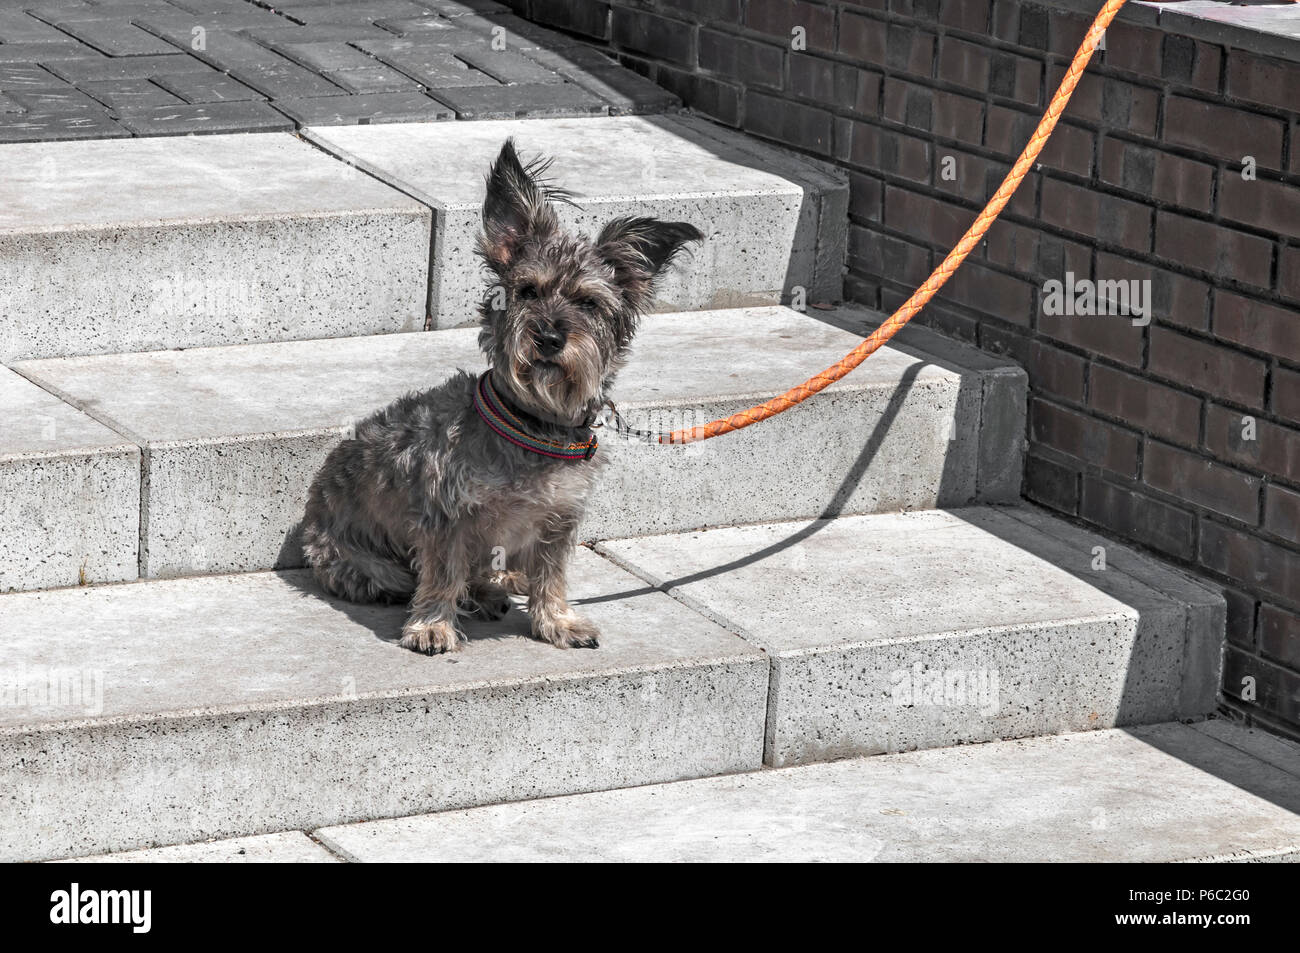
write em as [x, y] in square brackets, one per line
[853, 577]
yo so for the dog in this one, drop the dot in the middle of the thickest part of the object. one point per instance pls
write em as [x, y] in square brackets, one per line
[433, 491]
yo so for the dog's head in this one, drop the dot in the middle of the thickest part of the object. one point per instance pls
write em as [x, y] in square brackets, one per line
[559, 322]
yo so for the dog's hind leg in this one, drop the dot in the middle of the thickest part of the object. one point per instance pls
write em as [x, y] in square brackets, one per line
[356, 574]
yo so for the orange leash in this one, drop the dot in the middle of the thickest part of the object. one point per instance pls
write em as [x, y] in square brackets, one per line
[923, 294]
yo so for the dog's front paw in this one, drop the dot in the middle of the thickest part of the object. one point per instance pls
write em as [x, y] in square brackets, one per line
[431, 638]
[568, 631]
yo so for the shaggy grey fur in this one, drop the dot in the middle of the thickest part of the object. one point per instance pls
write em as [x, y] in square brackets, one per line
[425, 498]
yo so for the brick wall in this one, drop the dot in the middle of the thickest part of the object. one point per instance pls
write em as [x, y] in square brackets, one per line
[1182, 435]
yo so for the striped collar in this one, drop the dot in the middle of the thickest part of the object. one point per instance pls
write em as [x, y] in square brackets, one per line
[513, 424]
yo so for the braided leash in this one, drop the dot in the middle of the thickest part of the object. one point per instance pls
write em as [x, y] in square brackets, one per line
[923, 294]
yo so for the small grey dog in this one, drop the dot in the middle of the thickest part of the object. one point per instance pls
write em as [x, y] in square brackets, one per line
[433, 487]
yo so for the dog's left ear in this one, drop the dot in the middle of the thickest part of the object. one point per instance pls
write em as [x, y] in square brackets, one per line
[517, 207]
[639, 249]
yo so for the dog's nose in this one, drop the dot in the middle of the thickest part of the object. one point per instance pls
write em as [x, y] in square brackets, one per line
[550, 341]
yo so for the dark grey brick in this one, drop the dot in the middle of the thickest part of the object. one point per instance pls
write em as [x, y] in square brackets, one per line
[117, 37]
[445, 41]
[435, 68]
[414, 26]
[460, 8]
[627, 93]
[362, 12]
[516, 33]
[97, 69]
[362, 110]
[61, 13]
[85, 124]
[43, 52]
[206, 118]
[18, 26]
[589, 17]
[286, 32]
[27, 77]
[288, 81]
[572, 60]
[8, 105]
[373, 79]
[120, 94]
[212, 6]
[209, 87]
[507, 66]
[54, 100]
[220, 48]
[326, 56]
[512, 102]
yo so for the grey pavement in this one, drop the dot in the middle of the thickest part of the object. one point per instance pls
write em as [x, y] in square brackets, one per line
[94, 70]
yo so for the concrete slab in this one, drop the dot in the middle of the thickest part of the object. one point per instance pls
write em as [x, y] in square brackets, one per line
[927, 629]
[764, 228]
[233, 436]
[144, 244]
[292, 847]
[241, 705]
[1157, 794]
[71, 493]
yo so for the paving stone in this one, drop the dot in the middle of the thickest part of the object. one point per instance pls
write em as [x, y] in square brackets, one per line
[444, 41]
[59, 13]
[235, 704]
[285, 81]
[54, 101]
[96, 69]
[126, 94]
[17, 26]
[205, 118]
[223, 49]
[434, 68]
[14, 78]
[1155, 794]
[374, 79]
[326, 56]
[507, 66]
[627, 93]
[116, 37]
[409, 26]
[60, 127]
[7, 105]
[207, 87]
[286, 32]
[380, 107]
[512, 102]
[71, 492]
[42, 52]
[572, 60]
[460, 8]
[365, 12]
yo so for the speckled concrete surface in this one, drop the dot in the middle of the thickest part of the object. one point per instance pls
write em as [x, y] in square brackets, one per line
[70, 488]
[1157, 794]
[293, 847]
[234, 435]
[927, 629]
[143, 244]
[235, 705]
[762, 228]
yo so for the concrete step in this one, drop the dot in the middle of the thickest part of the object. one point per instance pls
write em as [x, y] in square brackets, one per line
[1064, 799]
[1212, 792]
[71, 492]
[224, 706]
[774, 222]
[142, 244]
[231, 437]
[930, 629]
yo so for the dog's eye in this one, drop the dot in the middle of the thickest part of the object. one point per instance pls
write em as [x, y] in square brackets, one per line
[528, 292]
[587, 304]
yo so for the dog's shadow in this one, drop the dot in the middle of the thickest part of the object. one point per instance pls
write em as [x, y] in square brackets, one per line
[385, 620]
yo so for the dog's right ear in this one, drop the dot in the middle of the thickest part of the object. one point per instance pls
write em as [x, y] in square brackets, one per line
[517, 207]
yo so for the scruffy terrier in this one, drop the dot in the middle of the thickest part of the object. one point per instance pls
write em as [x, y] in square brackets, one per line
[435, 485]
